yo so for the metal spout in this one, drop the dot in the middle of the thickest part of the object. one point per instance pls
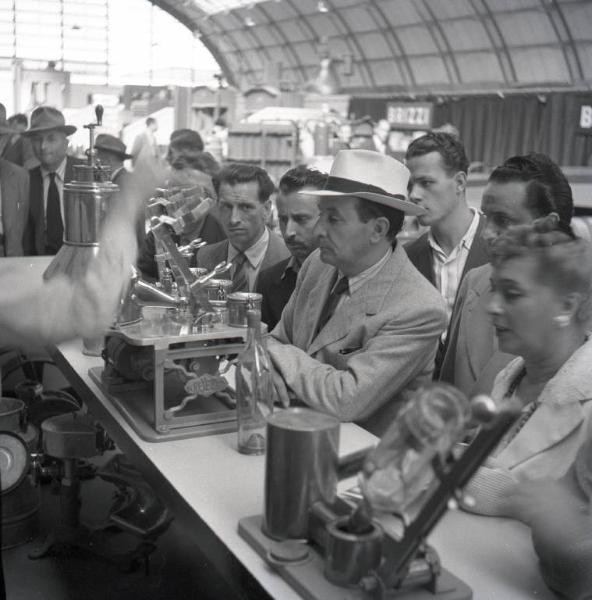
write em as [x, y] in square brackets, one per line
[146, 294]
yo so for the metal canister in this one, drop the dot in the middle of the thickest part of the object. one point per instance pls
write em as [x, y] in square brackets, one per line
[238, 304]
[217, 290]
[300, 469]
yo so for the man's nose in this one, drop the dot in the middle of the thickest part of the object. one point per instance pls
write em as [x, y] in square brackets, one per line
[489, 232]
[319, 228]
[495, 306]
[290, 229]
[235, 216]
[414, 193]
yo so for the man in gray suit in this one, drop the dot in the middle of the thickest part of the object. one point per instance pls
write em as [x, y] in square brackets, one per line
[14, 207]
[362, 324]
[14, 202]
[472, 359]
[244, 207]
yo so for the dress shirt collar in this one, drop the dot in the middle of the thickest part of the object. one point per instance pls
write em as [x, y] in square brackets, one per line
[255, 253]
[60, 171]
[357, 281]
[465, 242]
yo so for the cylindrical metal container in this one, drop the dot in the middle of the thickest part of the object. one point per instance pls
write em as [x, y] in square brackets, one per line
[301, 468]
[351, 556]
[238, 303]
[11, 414]
[86, 201]
[217, 289]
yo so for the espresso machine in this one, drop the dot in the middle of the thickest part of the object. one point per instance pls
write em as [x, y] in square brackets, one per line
[169, 353]
[370, 542]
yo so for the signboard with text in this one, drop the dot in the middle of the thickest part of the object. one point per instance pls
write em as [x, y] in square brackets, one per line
[585, 118]
[415, 116]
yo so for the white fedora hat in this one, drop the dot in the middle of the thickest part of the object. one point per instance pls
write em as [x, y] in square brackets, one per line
[370, 175]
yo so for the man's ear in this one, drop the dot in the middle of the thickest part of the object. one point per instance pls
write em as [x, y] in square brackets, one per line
[380, 229]
[460, 180]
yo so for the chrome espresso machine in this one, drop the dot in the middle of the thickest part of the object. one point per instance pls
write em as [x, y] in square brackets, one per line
[168, 357]
[370, 541]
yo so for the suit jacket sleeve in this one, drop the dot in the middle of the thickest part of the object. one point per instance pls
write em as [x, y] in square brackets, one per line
[403, 347]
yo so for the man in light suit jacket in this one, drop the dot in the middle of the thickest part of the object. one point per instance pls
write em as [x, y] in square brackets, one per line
[49, 137]
[439, 166]
[472, 359]
[244, 207]
[362, 324]
[14, 207]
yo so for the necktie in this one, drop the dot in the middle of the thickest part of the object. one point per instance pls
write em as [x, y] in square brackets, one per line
[54, 226]
[240, 281]
[338, 290]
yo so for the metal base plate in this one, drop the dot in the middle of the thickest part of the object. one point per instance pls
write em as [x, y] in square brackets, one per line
[306, 576]
[137, 407]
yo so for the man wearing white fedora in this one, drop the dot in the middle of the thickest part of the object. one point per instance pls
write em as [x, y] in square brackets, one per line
[362, 324]
[49, 137]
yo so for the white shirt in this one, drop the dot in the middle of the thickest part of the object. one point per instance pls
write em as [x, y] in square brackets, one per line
[448, 270]
[59, 179]
[255, 255]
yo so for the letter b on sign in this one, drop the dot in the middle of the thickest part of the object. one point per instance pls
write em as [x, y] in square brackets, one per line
[586, 117]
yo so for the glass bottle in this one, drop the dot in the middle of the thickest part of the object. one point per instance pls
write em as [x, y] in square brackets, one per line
[398, 473]
[253, 389]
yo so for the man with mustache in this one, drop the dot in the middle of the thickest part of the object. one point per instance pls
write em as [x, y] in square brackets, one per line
[297, 215]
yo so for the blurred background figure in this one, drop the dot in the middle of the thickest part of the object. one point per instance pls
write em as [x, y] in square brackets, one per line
[145, 147]
[380, 137]
[14, 147]
[217, 141]
[14, 201]
[542, 283]
[111, 151]
[188, 165]
[187, 169]
[49, 134]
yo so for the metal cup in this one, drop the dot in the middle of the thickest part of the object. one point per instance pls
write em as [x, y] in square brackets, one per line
[301, 468]
[351, 556]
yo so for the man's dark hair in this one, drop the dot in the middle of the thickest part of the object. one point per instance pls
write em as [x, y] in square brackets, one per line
[538, 167]
[19, 118]
[299, 177]
[234, 173]
[150, 121]
[367, 210]
[449, 147]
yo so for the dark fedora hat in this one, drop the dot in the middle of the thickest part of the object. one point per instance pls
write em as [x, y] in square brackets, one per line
[109, 143]
[4, 126]
[47, 118]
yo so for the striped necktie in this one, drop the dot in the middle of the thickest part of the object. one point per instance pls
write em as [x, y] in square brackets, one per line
[240, 280]
[54, 229]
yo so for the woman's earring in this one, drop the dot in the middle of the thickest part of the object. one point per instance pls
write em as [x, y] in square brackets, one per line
[561, 320]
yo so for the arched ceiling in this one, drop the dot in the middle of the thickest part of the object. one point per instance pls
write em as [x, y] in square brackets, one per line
[398, 46]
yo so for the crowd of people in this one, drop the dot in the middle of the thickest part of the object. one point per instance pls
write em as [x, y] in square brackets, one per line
[492, 301]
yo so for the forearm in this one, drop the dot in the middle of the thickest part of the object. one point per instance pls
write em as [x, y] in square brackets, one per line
[370, 377]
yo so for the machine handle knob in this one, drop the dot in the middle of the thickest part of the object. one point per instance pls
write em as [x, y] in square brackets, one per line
[99, 113]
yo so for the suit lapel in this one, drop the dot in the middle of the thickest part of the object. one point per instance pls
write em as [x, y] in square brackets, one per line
[366, 301]
[478, 252]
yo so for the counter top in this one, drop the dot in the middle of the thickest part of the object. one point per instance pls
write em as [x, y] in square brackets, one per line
[211, 486]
